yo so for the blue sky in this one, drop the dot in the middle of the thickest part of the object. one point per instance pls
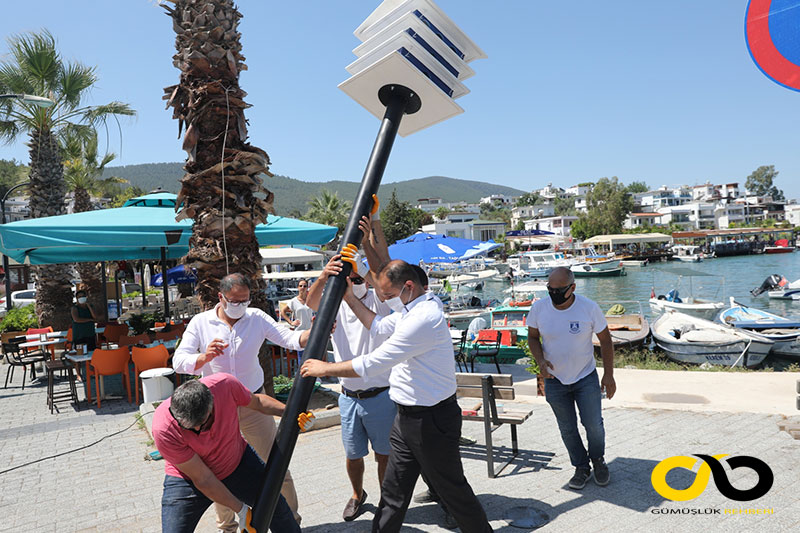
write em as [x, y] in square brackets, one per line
[664, 92]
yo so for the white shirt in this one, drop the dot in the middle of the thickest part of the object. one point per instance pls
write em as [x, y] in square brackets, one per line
[351, 339]
[244, 340]
[301, 312]
[419, 354]
[567, 336]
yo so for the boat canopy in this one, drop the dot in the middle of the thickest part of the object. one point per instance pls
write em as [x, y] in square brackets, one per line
[628, 238]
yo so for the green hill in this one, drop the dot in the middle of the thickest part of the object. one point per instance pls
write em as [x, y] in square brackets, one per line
[292, 194]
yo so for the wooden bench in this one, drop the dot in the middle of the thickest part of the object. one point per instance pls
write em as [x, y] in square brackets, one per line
[490, 387]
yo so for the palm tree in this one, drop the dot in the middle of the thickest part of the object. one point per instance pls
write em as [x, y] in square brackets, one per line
[37, 68]
[210, 104]
[82, 174]
[329, 209]
[222, 190]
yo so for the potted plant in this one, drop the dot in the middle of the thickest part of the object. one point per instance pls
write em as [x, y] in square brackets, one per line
[533, 366]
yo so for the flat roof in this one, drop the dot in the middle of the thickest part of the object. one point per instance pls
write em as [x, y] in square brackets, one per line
[724, 232]
[647, 214]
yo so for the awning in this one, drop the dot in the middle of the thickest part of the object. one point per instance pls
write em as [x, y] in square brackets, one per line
[273, 256]
[628, 238]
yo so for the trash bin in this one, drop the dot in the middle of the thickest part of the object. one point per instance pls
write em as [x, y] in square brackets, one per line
[156, 386]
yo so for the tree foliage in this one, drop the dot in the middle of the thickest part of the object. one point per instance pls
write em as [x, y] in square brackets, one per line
[637, 186]
[328, 209]
[761, 182]
[11, 174]
[529, 198]
[396, 219]
[608, 204]
[565, 206]
[441, 212]
[496, 212]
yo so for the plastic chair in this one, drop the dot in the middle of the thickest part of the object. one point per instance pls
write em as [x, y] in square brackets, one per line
[39, 331]
[460, 355]
[113, 332]
[486, 346]
[111, 363]
[126, 340]
[166, 335]
[15, 357]
[147, 358]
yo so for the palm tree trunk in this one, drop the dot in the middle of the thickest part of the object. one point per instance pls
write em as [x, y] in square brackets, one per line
[47, 192]
[210, 103]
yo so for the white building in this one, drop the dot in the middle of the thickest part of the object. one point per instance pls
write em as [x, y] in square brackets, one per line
[499, 199]
[663, 197]
[17, 208]
[479, 230]
[561, 225]
[524, 212]
[691, 215]
[578, 190]
[639, 220]
[549, 192]
[429, 205]
[728, 213]
[792, 214]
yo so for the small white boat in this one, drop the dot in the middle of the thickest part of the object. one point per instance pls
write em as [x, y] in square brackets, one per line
[634, 262]
[692, 305]
[689, 339]
[627, 329]
[779, 288]
[688, 253]
[537, 264]
[472, 279]
[783, 331]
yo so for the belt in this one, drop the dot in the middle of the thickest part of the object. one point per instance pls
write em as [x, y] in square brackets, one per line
[363, 394]
[420, 408]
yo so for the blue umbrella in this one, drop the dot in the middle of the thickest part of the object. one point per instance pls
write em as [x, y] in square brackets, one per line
[433, 248]
[175, 275]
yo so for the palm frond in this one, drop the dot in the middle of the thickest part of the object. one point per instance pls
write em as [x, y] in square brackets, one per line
[36, 55]
[73, 80]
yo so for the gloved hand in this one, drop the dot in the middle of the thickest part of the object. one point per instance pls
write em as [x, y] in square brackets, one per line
[305, 421]
[350, 255]
[244, 516]
[375, 205]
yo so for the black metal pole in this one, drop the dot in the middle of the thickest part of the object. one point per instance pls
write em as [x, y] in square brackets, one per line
[398, 100]
[3, 209]
[164, 283]
[144, 288]
[105, 289]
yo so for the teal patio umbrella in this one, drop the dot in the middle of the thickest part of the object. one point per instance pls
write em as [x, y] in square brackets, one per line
[138, 230]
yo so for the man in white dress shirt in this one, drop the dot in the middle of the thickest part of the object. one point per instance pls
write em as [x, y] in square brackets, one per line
[227, 339]
[422, 381]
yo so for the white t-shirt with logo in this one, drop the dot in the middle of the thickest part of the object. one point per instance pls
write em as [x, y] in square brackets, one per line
[567, 336]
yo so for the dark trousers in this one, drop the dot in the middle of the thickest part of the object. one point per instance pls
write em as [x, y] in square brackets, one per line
[182, 504]
[427, 442]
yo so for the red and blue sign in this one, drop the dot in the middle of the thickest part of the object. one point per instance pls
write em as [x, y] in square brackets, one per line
[772, 31]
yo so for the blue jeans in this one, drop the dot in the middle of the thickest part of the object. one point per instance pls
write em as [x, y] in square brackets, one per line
[585, 393]
[182, 504]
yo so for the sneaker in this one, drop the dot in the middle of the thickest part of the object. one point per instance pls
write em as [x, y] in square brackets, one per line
[580, 477]
[426, 497]
[465, 441]
[353, 507]
[601, 475]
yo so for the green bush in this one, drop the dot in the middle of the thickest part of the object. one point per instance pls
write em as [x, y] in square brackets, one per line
[141, 323]
[20, 319]
[138, 294]
[533, 366]
[282, 384]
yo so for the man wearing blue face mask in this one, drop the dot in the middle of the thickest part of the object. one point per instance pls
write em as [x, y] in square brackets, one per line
[560, 338]
[227, 339]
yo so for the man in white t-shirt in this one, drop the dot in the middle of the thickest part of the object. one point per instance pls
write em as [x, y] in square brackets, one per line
[297, 312]
[565, 354]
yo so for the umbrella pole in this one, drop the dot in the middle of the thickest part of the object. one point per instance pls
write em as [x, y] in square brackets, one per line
[105, 289]
[165, 283]
[398, 100]
[144, 287]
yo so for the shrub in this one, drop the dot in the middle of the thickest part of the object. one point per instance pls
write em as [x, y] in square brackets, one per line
[533, 366]
[141, 323]
[20, 319]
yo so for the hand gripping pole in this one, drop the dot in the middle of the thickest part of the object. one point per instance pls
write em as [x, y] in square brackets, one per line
[398, 100]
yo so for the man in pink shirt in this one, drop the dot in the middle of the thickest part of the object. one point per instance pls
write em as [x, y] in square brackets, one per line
[207, 460]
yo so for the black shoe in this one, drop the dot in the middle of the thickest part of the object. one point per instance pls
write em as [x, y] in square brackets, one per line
[464, 441]
[601, 475]
[580, 477]
[353, 507]
[426, 496]
[449, 520]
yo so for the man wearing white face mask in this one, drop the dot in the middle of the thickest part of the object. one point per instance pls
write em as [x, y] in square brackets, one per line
[366, 410]
[422, 381]
[227, 339]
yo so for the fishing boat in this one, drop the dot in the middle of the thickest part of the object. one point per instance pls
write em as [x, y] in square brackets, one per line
[783, 331]
[781, 246]
[779, 288]
[610, 268]
[510, 320]
[687, 253]
[689, 339]
[699, 307]
[461, 310]
[537, 264]
[628, 329]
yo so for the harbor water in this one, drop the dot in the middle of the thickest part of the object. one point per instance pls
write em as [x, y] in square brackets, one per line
[728, 276]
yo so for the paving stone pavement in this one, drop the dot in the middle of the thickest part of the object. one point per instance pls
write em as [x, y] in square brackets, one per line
[111, 487]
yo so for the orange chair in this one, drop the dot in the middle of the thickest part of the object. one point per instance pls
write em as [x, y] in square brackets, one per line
[125, 340]
[111, 363]
[113, 332]
[39, 331]
[147, 358]
[167, 335]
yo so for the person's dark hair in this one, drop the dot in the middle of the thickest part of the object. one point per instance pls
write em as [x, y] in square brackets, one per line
[191, 403]
[230, 281]
[398, 272]
[423, 277]
[79, 292]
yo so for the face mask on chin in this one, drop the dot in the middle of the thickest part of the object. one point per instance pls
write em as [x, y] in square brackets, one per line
[396, 304]
[559, 296]
[360, 290]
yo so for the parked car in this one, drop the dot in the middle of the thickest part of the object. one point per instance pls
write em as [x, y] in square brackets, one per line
[18, 299]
